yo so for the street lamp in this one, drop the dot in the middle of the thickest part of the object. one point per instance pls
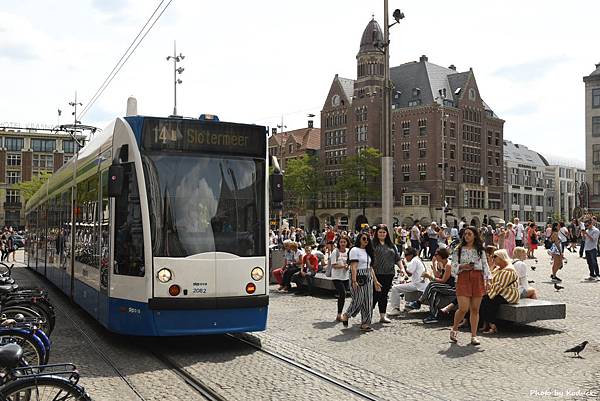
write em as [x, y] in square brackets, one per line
[176, 71]
[444, 205]
[387, 182]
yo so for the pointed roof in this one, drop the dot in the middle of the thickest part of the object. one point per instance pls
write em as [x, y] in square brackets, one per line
[428, 79]
[594, 76]
[307, 138]
[348, 87]
[371, 35]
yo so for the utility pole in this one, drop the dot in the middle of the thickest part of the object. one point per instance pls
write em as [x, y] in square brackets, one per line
[387, 180]
[176, 71]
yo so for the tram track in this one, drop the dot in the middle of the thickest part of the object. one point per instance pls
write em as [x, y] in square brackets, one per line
[196, 384]
[307, 369]
[100, 353]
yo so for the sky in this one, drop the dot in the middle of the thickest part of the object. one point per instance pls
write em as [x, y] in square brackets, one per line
[269, 61]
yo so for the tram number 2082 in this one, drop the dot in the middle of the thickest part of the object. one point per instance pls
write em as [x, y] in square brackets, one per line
[199, 288]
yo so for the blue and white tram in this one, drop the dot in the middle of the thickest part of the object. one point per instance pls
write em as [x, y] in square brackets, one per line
[159, 227]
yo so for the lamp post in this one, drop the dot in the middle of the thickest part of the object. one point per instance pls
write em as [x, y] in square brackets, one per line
[444, 205]
[387, 181]
[176, 71]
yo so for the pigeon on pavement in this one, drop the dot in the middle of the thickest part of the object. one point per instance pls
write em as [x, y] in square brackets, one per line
[533, 267]
[578, 348]
[558, 287]
[530, 281]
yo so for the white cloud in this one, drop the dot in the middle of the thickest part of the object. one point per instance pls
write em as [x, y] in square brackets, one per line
[256, 61]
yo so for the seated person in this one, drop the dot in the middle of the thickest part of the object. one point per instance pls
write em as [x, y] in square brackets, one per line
[443, 284]
[525, 291]
[308, 269]
[288, 258]
[415, 268]
[320, 254]
[293, 259]
[504, 289]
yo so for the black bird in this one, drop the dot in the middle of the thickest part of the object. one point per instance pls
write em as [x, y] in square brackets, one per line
[558, 287]
[530, 281]
[533, 267]
[578, 348]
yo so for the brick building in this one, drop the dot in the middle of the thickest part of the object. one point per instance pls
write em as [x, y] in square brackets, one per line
[24, 153]
[426, 97]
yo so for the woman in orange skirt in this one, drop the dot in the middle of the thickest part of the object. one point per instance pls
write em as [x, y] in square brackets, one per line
[470, 266]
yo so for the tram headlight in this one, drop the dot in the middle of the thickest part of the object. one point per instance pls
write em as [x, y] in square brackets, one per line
[257, 274]
[164, 275]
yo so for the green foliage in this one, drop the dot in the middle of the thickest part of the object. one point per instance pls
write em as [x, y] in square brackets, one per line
[359, 175]
[302, 181]
[29, 188]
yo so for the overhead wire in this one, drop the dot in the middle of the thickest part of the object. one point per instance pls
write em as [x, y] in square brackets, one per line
[119, 65]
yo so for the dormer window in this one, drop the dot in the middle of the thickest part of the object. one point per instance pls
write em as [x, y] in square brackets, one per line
[336, 100]
[416, 92]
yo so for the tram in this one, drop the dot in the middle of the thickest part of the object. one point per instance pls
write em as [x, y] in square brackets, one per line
[158, 227]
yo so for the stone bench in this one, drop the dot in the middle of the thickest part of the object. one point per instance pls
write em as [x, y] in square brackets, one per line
[526, 311]
[322, 281]
[531, 310]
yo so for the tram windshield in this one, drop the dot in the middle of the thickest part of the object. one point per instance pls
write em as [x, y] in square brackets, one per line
[204, 204]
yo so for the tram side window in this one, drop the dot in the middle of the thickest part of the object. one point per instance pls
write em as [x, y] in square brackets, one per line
[129, 236]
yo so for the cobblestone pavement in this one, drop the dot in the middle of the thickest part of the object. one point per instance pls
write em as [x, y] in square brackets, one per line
[402, 360]
[408, 360]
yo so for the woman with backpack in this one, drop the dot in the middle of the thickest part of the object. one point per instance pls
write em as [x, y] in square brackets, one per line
[363, 279]
[385, 259]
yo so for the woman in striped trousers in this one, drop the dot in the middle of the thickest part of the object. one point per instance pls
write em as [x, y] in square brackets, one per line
[363, 281]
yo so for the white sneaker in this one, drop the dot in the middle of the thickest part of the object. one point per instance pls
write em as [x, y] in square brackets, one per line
[597, 278]
[590, 278]
[394, 312]
[383, 318]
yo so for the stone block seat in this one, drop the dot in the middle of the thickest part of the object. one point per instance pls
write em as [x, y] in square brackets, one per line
[323, 282]
[526, 311]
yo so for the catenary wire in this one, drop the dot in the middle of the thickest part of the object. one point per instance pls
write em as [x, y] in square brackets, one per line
[120, 65]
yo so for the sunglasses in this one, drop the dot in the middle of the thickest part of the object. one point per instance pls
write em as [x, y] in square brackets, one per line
[364, 239]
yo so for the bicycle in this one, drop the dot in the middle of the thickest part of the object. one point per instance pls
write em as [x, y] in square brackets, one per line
[59, 382]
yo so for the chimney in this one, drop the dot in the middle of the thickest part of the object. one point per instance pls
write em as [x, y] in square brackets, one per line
[310, 123]
[423, 58]
[131, 106]
[598, 65]
[452, 67]
[273, 131]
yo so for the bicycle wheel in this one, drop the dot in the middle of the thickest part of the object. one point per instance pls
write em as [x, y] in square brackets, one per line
[27, 311]
[43, 388]
[33, 352]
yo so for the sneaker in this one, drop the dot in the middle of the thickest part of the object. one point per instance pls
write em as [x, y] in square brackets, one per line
[590, 278]
[555, 279]
[430, 319]
[394, 312]
[384, 319]
[414, 305]
[597, 278]
[475, 341]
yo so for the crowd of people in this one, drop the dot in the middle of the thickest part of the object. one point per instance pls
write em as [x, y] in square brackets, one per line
[479, 269]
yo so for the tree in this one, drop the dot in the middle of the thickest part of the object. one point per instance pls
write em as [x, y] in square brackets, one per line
[359, 176]
[302, 182]
[29, 188]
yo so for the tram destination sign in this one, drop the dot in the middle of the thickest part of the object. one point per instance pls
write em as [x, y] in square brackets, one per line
[203, 136]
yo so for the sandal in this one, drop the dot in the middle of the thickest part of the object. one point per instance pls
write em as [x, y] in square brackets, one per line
[475, 341]
[453, 336]
[366, 329]
[344, 320]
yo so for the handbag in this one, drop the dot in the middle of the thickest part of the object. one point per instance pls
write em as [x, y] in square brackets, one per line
[361, 279]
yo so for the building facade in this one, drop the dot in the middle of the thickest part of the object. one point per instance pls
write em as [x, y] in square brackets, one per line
[25, 153]
[591, 191]
[447, 143]
[528, 186]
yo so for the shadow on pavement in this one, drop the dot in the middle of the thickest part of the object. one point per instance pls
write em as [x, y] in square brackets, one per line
[460, 351]
[348, 334]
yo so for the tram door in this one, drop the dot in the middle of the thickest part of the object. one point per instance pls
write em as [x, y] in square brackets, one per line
[104, 247]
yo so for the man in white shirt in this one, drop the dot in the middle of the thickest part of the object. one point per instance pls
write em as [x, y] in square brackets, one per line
[591, 235]
[520, 231]
[415, 236]
[415, 268]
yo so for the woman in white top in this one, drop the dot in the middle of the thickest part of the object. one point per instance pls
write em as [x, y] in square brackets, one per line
[363, 280]
[339, 272]
[525, 291]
